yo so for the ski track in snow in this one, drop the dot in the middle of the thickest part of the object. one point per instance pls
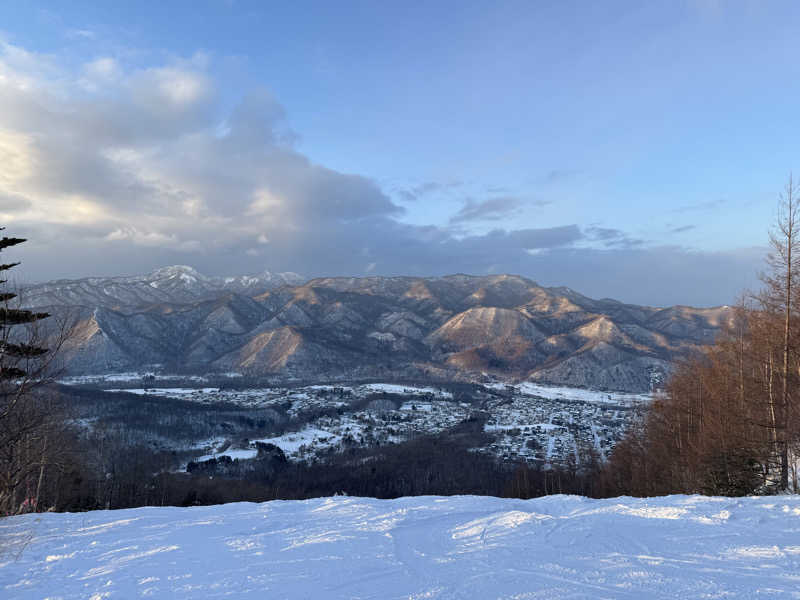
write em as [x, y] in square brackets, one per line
[564, 547]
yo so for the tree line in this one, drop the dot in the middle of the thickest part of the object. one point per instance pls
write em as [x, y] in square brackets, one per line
[728, 422]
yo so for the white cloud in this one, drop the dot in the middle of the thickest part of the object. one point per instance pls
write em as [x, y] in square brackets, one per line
[104, 68]
[114, 169]
[84, 34]
[180, 88]
[138, 156]
[16, 158]
[153, 239]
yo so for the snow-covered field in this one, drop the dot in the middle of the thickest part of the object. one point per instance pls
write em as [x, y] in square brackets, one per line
[563, 547]
[167, 392]
[555, 392]
[393, 388]
[361, 429]
[130, 376]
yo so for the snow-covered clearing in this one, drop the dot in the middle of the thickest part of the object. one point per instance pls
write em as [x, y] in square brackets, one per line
[393, 388]
[460, 547]
[362, 429]
[179, 393]
[554, 392]
[291, 443]
[135, 376]
[233, 453]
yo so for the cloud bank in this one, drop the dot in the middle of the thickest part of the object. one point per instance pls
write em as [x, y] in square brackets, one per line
[110, 169]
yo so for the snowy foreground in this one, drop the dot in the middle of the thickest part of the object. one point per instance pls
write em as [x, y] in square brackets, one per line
[428, 547]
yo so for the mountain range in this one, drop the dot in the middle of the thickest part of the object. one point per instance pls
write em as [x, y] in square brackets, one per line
[453, 327]
[175, 284]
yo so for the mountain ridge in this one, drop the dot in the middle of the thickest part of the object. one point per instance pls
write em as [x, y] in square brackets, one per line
[454, 326]
[175, 284]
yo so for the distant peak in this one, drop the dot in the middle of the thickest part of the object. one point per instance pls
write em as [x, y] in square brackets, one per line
[190, 275]
[177, 270]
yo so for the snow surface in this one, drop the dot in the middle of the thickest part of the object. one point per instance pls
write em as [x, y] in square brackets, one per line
[233, 453]
[555, 392]
[460, 547]
[291, 442]
[393, 388]
[138, 376]
[166, 392]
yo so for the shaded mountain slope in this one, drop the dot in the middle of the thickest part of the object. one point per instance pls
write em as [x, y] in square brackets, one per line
[455, 326]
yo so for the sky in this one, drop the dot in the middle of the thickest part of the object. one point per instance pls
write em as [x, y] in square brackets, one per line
[623, 149]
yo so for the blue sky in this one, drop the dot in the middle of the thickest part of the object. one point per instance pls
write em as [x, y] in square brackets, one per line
[625, 150]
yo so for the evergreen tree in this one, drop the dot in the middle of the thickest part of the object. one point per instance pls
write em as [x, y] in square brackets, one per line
[15, 352]
[28, 425]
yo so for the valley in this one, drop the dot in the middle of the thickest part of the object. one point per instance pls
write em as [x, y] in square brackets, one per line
[527, 423]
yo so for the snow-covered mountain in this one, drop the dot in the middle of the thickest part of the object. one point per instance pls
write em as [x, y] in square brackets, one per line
[174, 284]
[451, 327]
[460, 547]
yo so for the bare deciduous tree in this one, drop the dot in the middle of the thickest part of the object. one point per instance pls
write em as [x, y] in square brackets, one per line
[782, 283]
[727, 424]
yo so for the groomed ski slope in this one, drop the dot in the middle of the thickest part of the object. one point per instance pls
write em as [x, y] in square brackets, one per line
[412, 548]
